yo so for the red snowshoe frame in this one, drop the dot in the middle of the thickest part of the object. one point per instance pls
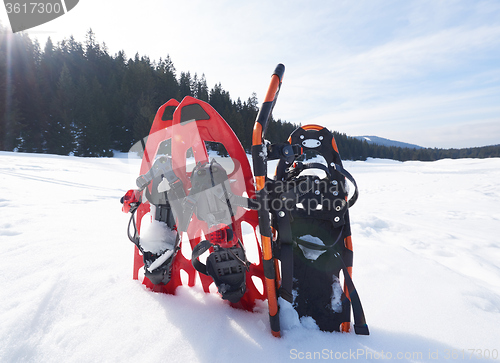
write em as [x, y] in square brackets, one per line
[193, 123]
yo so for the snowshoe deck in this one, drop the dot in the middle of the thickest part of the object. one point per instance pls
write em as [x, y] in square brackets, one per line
[320, 232]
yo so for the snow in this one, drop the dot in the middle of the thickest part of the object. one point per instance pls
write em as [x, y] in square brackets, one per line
[156, 237]
[426, 252]
[310, 253]
[336, 295]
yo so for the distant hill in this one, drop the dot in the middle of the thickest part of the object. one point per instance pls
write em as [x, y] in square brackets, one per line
[355, 148]
[386, 142]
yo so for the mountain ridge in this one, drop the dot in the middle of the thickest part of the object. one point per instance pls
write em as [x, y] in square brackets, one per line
[387, 142]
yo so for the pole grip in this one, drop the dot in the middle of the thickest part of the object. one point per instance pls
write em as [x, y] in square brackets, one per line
[266, 110]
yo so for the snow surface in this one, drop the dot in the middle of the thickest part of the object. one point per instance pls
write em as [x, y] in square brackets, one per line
[309, 253]
[156, 236]
[426, 265]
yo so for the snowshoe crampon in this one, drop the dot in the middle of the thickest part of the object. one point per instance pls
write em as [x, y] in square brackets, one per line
[194, 200]
[304, 223]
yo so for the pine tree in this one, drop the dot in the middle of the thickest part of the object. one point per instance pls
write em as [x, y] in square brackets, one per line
[24, 71]
[200, 88]
[166, 86]
[9, 111]
[144, 117]
[60, 138]
[185, 85]
[99, 132]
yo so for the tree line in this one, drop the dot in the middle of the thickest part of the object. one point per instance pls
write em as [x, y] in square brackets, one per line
[76, 98]
[354, 149]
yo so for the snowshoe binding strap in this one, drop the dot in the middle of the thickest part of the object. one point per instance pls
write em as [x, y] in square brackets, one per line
[360, 326]
[210, 197]
[158, 268]
[226, 266]
[333, 168]
[348, 176]
[283, 151]
[162, 166]
[313, 246]
[134, 238]
[298, 167]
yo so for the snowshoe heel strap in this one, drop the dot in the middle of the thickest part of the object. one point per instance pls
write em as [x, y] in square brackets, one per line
[349, 177]
[198, 250]
[226, 266]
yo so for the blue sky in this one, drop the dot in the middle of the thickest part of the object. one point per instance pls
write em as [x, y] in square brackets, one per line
[424, 72]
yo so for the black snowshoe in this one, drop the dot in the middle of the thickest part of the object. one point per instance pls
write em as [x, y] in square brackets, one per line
[314, 235]
[304, 223]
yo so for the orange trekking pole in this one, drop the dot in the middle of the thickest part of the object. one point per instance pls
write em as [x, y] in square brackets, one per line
[259, 156]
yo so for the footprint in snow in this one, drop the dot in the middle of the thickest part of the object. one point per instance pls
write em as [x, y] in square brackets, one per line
[6, 230]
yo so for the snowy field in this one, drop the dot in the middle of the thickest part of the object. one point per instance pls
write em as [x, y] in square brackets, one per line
[426, 265]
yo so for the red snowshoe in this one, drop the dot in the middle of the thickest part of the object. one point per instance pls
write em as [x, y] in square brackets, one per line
[196, 189]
